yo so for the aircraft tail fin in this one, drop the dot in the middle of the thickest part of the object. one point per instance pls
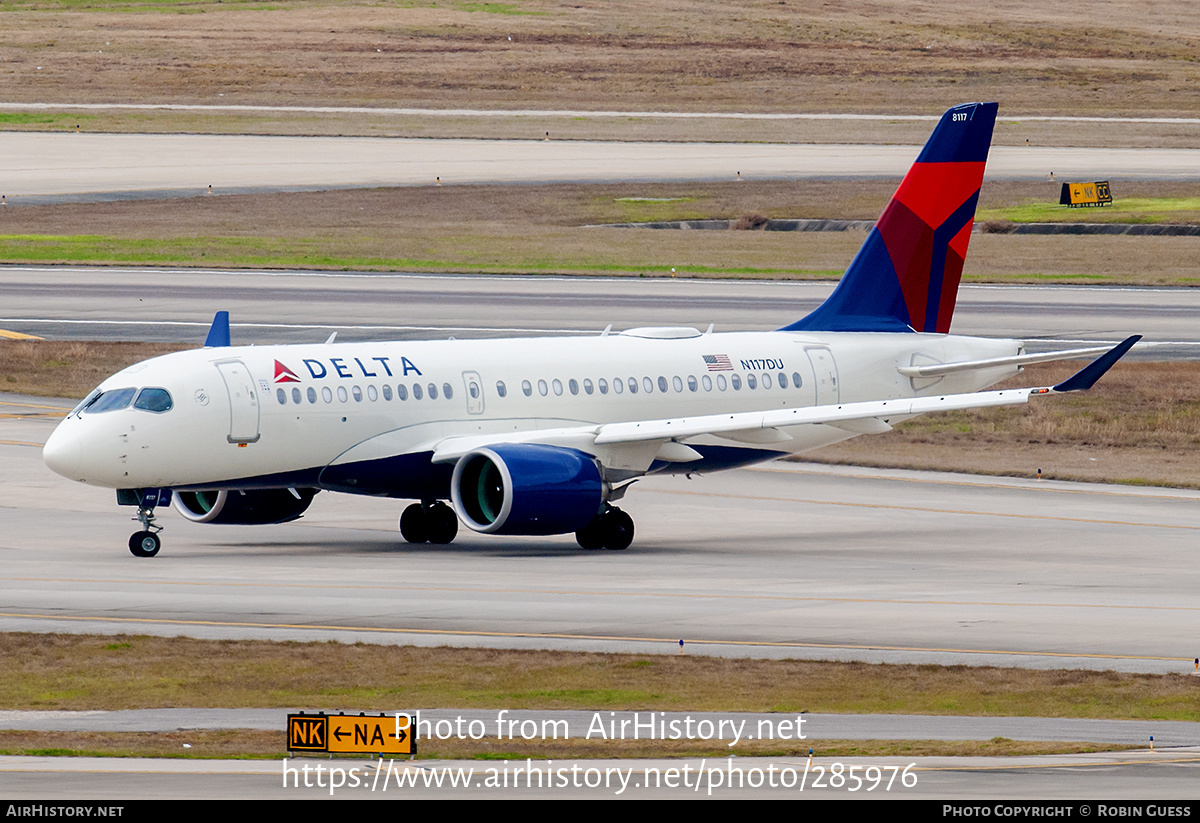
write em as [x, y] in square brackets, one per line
[905, 276]
[218, 333]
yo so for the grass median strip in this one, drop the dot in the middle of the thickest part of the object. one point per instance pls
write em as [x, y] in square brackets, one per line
[553, 229]
[246, 744]
[82, 672]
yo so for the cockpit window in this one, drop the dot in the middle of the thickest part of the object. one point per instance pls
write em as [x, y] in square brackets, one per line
[153, 400]
[110, 401]
[85, 402]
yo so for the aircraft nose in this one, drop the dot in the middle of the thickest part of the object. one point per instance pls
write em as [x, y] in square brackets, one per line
[62, 453]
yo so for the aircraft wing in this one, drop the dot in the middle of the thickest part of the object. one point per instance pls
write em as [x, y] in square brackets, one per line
[866, 417]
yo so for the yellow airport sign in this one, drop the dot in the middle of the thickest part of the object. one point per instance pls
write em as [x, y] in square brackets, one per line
[1085, 194]
[351, 734]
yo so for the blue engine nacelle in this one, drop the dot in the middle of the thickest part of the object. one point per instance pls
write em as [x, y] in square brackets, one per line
[526, 489]
[255, 507]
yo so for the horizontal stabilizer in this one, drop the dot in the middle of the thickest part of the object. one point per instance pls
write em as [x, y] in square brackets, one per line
[1086, 377]
[941, 369]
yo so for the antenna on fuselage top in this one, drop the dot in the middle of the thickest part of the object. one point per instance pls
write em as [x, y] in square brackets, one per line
[607, 329]
[710, 328]
[218, 333]
[330, 340]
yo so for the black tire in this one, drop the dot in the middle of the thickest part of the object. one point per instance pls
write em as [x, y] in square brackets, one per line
[414, 525]
[144, 544]
[591, 536]
[617, 527]
[441, 523]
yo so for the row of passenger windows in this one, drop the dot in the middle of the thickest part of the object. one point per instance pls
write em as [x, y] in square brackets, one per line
[648, 384]
[619, 385]
[371, 393]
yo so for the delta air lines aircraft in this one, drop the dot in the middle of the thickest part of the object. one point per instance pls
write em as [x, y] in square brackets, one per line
[540, 437]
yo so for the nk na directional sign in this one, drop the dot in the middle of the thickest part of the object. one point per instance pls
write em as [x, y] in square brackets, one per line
[351, 734]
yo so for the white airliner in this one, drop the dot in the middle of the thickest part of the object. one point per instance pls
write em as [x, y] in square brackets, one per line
[536, 436]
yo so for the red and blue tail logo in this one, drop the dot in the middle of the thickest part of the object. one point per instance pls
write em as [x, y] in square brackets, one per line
[905, 277]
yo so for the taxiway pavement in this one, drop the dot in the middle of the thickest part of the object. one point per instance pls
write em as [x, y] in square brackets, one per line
[122, 303]
[53, 167]
[780, 561]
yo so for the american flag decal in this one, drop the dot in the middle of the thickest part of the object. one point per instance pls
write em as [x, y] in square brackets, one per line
[718, 362]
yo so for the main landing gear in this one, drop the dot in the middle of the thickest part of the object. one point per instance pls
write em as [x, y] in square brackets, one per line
[433, 522]
[145, 543]
[612, 529]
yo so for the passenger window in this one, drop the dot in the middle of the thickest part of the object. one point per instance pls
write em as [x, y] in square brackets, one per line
[692, 384]
[159, 400]
[501, 389]
[707, 381]
[557, 384]
[281, 395]
[326, 394]
[587, 386]
[720, 381]
[312, 395]
[751, 382]
[432, 392]
[527, 388]
[543, 389]
[677, 383]
[573, 386]
[342, 395]
[416, 391]
[401, 391]
[796, 379]
[735, 381]
[633, 385]
[618, 386]
[372, 393]
[357, 392]
[766, 381]
[648, 385]
[295, 396]
[447, 391]
[387, 392]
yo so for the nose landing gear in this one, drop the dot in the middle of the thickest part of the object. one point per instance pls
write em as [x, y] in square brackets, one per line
[145, 543]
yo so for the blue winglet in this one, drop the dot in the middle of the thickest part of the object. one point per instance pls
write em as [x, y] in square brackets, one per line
[1086, 377]
[218, 335]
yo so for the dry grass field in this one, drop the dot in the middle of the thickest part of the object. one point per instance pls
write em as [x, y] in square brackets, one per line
[1053, 57]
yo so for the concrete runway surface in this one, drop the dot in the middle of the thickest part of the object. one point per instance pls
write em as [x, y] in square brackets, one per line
[1126, 776]
[780, 561]
[51, 167]
[121, 303]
